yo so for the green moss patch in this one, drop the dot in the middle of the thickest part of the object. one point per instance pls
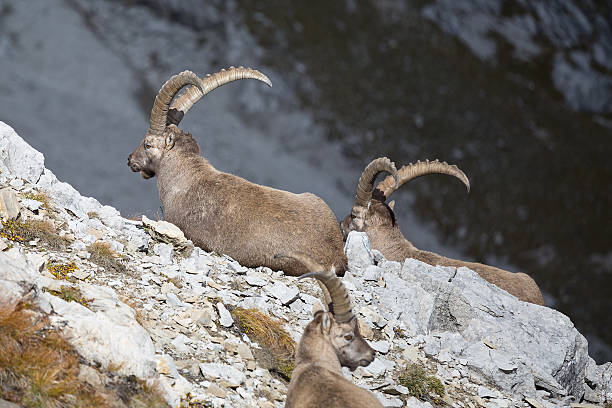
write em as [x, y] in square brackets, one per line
[70, 294]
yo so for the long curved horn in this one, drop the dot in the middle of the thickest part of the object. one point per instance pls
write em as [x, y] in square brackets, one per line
[159, 113]
[412, 171]
[340, 301]
[366, 185]
[191, 95]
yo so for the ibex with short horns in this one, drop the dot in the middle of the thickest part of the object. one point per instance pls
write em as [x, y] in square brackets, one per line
[329, 342]
[222, 212]
[374, 216]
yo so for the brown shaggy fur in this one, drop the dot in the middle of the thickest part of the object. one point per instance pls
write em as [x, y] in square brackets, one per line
[227, 214]
[317, 379]
[385, 236]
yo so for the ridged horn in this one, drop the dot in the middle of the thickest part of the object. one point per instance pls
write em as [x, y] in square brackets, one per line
[366, 185]
[191, 95]
[159, 113]
[341, 304]
[412, 171]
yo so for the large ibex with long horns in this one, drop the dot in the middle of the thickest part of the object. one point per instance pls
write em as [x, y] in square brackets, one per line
[374, 216]
[222, 212]
[329, 342]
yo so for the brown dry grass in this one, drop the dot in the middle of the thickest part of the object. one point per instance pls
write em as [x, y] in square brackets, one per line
[24, 232]
[102, 255]
[278, 346]
[42, 197]
[39, 369]
[137, 308]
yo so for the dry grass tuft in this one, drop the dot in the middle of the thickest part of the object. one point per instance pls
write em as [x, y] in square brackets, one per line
[136, 307]
[104, 256]
[93, 214]
[38, 368]
[131, 392]
[24, 232]
[42, 197]
[421, 385]
[278, 346]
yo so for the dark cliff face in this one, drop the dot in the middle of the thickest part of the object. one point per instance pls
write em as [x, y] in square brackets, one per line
[403, 84]
[517, 95]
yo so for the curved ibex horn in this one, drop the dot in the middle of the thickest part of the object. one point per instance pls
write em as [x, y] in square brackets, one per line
[159, 113]
[366, 185]
[341, 304]
[412, 171]
[191, 95]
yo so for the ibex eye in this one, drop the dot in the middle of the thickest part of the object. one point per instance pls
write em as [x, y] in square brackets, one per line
[348, 337]
[147, 146]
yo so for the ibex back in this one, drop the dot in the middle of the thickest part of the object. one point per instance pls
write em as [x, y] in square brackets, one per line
[222, 212]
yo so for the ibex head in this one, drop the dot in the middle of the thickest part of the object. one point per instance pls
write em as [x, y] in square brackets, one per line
[372, 214]
[163, 134]
[338, 328]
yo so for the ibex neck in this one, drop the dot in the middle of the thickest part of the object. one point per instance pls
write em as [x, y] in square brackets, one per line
[177, 172]
[317, 351]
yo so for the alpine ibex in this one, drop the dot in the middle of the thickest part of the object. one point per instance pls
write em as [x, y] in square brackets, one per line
[372, 215]
[329, 342]
[222, 212]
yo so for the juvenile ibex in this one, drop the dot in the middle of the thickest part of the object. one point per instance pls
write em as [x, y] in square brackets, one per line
[329, 342]
[222, 212]
[372, 215]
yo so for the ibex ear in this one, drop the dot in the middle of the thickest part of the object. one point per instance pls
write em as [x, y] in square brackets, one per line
[325, 323]
[391, 204]
[170, 141]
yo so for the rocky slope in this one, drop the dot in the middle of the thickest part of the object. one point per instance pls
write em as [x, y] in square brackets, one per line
[155, 307]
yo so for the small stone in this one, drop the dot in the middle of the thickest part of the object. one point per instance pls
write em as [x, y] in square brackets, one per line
[244, 352]
[17, 183]
[81, 274]
[283, 293]
[32, 205]
[381, 346]
[227, 373]
[9, 207]
[173, 300]
[255, 280]
[485, 392]
[7, 404]
[376, 368]
[225, 318]
[89, 375]
[164, 228]
[365, 330]
[216, 391]
[372, 273]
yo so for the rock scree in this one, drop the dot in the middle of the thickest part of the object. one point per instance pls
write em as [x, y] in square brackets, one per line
[165, 315]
